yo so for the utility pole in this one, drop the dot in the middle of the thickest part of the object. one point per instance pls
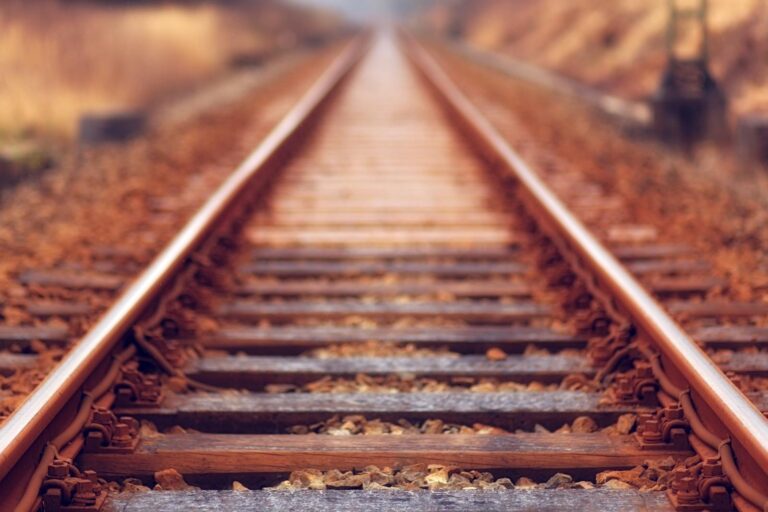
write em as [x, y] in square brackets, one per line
[688, 105]
[460, 12]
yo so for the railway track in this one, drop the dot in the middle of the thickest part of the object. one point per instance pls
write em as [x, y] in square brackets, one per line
[384, 299]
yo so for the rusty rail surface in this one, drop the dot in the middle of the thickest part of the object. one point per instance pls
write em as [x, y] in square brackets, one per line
[28, 422]
[634, 114]
[744, 422]
[688, 365]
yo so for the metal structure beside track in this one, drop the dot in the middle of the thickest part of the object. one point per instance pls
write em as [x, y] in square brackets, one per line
[28, 422]
[720, 411]
[742, 421]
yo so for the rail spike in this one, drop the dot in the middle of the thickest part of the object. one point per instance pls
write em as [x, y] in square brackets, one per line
[604, 351]
[702, 486]
[135, 388]
[638, 386]
[106, 433]
[665, 428]
[67, 489]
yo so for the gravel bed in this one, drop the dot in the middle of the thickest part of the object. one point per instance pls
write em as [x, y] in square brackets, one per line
[111, 197]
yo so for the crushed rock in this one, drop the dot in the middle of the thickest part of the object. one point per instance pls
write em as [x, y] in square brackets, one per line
[403, 384]
[81, 203]
[358, 424]
[15, 387]
[652, 475]
[171, 480]
[433, 477]
[375, 348]
[412, 478]
[133, 485]
[237, 486]
[495, 354]
[397, 383]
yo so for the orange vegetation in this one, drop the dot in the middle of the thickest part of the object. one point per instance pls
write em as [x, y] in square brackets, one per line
[619, 45]
[59, 59]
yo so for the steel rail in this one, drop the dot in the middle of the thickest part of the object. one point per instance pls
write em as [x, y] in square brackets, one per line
[29, 421]
[634, 113]
[745, 423]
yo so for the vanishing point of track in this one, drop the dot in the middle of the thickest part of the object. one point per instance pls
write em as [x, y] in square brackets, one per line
[385, 257]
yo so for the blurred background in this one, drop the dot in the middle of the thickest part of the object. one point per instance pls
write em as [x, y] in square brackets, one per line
[61, 58]
[617, 44]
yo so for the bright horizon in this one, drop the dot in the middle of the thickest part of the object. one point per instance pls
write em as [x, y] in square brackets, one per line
[365, 9]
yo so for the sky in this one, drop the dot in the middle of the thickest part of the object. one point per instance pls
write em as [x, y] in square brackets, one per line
[361, 9]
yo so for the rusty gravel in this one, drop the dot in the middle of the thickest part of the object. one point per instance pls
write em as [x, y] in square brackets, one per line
[131, 198]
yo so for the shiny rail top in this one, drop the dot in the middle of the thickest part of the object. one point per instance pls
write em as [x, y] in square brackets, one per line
[28, 422]
[744, 421]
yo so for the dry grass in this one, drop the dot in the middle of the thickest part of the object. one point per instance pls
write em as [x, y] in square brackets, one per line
[58, 60]
[620, 44]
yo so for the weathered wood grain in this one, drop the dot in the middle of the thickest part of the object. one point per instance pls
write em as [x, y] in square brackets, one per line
[651, 251]
[351, 288]
[367, 220]
[760, 399]
[70, 279]
[627, 253]
[10, 363]
[271, 413]
[470, 311]
[254, 372]
[718, 309]
[746, 363]
[464, 339]
[394, 237]
[345, 268]
[203, 454]
[23, 335]
[384, 253]
[664, 266]
[731, 335]
[597, 500]
[356, 204]
[682, 285]
[49, 308]
[449, 196]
